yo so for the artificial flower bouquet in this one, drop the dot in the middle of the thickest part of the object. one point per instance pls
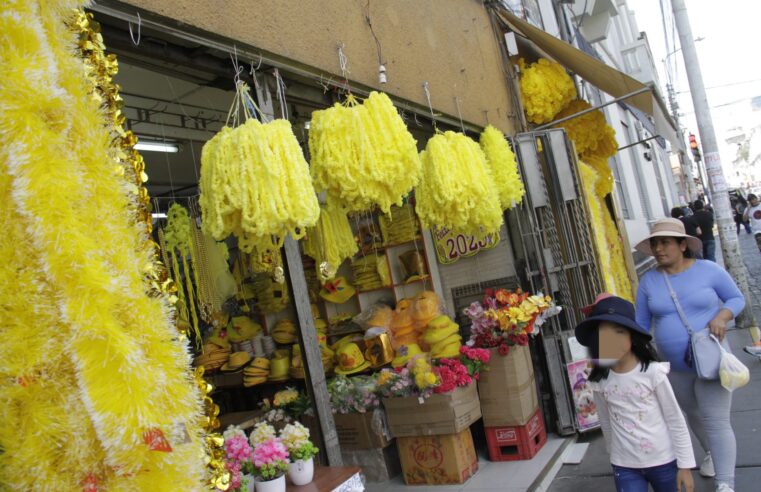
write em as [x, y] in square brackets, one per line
[238, 458]
[506, 318]
[295, 437]
[270, 456]
[356, 394]
[285, 406]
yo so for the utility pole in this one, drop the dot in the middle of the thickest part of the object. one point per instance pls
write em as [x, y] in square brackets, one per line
[712, 158]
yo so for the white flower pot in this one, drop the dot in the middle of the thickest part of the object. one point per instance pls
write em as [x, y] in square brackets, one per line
[276, 485]
[250, 480]
[301, 472]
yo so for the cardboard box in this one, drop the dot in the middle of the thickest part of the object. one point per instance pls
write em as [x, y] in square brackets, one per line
[363, 430]
[438, 460]
[378, 465]
[508, 390]
[447, 413]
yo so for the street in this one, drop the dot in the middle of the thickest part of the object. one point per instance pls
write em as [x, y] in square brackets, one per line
[594, 473]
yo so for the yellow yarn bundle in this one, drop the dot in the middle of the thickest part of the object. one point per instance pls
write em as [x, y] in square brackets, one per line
[255, 183]
[504, 167]
[363, 154]
[77, 320]
[457, 188]
[331, 240]
[179, 242]
[590, 132]
[546, 88]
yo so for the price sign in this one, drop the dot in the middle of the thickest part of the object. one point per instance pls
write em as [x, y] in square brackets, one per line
[451, 246]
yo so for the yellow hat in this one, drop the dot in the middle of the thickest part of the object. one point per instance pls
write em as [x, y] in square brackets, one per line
[378, 350]
[320, 325]
[243, 328]
[426, 306]
[279, 367]
[343, 341]
[237, 361]
[350, 359]
[337, 290]
[405, 353]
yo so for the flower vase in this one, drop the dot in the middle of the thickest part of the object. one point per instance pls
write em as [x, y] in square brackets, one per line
[301, 472]
[249, 482]
[276, 485]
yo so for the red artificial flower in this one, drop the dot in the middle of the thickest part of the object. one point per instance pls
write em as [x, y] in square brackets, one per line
[503, 296]
[503, 349]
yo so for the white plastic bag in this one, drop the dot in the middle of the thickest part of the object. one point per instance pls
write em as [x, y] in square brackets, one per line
[732, 373]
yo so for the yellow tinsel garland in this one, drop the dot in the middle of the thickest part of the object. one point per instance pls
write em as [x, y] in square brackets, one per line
[590, 132]
[457, 189]
[331, 241]
[255, 183]
[65, 200]
[363, 154]
[504, 167]
[546, 88]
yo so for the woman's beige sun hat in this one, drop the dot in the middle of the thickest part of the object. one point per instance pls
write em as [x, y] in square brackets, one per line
[669, 228]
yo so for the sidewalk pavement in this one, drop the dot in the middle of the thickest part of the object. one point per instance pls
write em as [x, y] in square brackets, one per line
[594, 472]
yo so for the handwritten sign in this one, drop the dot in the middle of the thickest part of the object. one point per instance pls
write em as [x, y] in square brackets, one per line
[451, 246]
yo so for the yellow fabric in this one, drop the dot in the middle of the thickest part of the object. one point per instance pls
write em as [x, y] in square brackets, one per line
[73, 263]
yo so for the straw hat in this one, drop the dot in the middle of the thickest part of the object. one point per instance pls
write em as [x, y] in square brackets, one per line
[669, 228]
[237, 361]
[350, 359]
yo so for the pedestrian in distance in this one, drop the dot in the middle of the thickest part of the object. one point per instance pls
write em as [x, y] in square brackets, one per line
[752, 214]
[644, 429]
[690, 224]
[704, 218]
[739, 206]
[681, 297]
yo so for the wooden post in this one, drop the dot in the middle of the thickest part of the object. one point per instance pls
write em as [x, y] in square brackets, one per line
[310, 352]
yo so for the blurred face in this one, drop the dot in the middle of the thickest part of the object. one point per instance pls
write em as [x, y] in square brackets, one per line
[668, 251]
[754, 201]
[615, 342]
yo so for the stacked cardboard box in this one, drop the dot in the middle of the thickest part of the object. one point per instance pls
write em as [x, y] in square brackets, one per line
[508, 390]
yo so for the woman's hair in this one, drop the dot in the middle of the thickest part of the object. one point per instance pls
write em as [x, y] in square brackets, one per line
[641, 347]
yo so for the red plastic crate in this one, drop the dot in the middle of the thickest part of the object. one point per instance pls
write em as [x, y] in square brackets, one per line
[520, 442]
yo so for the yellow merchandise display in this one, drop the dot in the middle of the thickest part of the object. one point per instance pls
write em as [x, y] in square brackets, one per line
[590, 132]
[75, 262]
[504, 167]
[330, 242]
[546, 88]
[362, 154]
[457, 188]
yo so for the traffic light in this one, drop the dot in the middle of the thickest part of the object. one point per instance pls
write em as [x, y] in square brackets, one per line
[694, 148]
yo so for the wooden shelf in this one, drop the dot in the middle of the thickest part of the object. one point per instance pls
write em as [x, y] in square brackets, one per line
[413, 282]
[403, 243]
[385, 287]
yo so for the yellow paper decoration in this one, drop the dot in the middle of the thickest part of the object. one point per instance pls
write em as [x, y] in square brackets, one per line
[604, 174]
[331, 240]
[546, 88]
[504, 167]
[457, 188]
[80, 274]
[590, 132]
[363, 154]
[255, 183]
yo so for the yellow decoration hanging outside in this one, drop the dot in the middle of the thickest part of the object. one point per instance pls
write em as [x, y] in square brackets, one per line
[331, 240]
[504, 167]
[546, 88]
[74, 262]
[590, 132]
[362, 154]
[457, 188]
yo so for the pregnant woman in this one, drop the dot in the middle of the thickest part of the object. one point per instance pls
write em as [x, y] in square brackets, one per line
[710, 299]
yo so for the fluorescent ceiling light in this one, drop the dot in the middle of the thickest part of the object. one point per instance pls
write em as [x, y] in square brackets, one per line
[171, 148]
[159, 216]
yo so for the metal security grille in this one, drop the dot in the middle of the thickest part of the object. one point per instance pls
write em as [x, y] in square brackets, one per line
[560, 255]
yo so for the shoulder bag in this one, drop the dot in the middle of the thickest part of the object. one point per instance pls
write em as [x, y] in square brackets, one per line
[703, 352]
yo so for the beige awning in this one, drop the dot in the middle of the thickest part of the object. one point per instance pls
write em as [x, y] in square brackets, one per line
[597, 73]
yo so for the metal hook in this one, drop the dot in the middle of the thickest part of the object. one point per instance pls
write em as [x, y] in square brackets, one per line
[414, 115]
[139, 25]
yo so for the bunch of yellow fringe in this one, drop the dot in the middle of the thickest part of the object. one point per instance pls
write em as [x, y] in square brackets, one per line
[546, 88]
[95, 386]
[504, 167]
[255, 183]
[331, 241]
[457, 189]
[363, 154]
